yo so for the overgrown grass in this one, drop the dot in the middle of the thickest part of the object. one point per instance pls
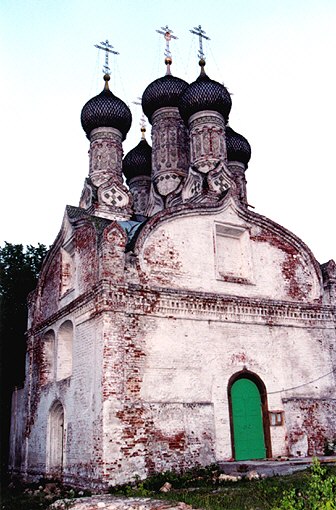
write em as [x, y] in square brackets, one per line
[200, 488]
[204, 489]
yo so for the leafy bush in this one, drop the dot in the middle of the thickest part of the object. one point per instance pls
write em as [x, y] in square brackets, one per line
[319, 494]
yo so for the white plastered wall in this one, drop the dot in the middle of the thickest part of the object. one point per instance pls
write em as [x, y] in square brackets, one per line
[221, 253]
[191, 361]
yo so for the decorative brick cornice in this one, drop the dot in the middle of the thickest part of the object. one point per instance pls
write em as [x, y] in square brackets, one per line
[191, 305]
[222, 308]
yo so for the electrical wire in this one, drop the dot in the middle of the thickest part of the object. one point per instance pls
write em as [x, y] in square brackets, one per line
[220, 73]
[187, 63]
[117, 74]
[94, 78]
[302, 385]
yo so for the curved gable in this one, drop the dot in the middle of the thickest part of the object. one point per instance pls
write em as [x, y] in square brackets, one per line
[230, 251]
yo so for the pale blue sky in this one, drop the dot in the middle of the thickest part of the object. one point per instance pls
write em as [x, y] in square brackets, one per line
[277, 57]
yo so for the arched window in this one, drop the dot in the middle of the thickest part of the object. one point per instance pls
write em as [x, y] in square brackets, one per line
[56, 442]
[47, 369]
[249, 420]
[64, 350]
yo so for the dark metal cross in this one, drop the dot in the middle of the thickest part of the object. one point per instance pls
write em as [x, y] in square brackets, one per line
[167, 33]
[105, 46]
[201, 35]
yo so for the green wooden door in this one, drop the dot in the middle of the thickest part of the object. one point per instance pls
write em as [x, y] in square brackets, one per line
[248, 431]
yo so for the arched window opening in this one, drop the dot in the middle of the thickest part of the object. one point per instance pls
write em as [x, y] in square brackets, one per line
[249, 418]
[55, 453]
[64, 350]
[47, 368]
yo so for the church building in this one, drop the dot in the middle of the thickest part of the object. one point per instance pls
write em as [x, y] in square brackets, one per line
[172, 326]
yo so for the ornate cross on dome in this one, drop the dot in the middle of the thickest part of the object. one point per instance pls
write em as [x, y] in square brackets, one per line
[167, 33]
[201, 35]
[107, 47]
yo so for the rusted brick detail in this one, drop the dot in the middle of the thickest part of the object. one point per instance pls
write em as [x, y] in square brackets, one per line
[112, 253]
[311, 423]
[87, 259]
[49, 289]
[162, 258]
[294, 268]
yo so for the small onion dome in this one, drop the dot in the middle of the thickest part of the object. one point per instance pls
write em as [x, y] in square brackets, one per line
[205, 94]
[138, 161]
[238, 148]
[161, 93]
[106, 110]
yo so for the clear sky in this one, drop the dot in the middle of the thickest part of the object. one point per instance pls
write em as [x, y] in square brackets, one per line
[277, 58]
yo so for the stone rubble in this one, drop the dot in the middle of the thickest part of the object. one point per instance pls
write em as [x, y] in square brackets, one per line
[228, 478]
[108, 502]
[166, 487]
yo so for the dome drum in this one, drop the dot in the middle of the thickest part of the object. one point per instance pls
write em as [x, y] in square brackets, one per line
[207, 141]
[108, 133]
[206, 113]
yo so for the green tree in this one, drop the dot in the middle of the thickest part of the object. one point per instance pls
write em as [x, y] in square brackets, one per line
[19, 269]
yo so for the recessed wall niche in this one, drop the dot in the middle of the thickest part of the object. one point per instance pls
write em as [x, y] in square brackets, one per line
[68, 268]
[233, 261]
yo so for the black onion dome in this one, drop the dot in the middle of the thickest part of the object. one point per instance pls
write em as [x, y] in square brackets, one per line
[106, 110]
[161, 93]
[205, 94]
[138, 161]
[238, 148]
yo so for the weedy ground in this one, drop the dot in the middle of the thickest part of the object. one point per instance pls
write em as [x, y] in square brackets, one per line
[200, 488]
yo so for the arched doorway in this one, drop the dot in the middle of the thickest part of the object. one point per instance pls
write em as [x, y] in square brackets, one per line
[250, 434]
[55, 454]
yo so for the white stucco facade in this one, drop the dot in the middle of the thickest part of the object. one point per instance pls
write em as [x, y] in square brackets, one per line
[141, 325]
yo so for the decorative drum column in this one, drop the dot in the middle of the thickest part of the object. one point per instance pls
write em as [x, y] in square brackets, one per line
[207, 140]
[238, 155]
[105, 155]
[204, 107]
[170, 160]
[106, 120]
[137, 166]
[169, 135]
